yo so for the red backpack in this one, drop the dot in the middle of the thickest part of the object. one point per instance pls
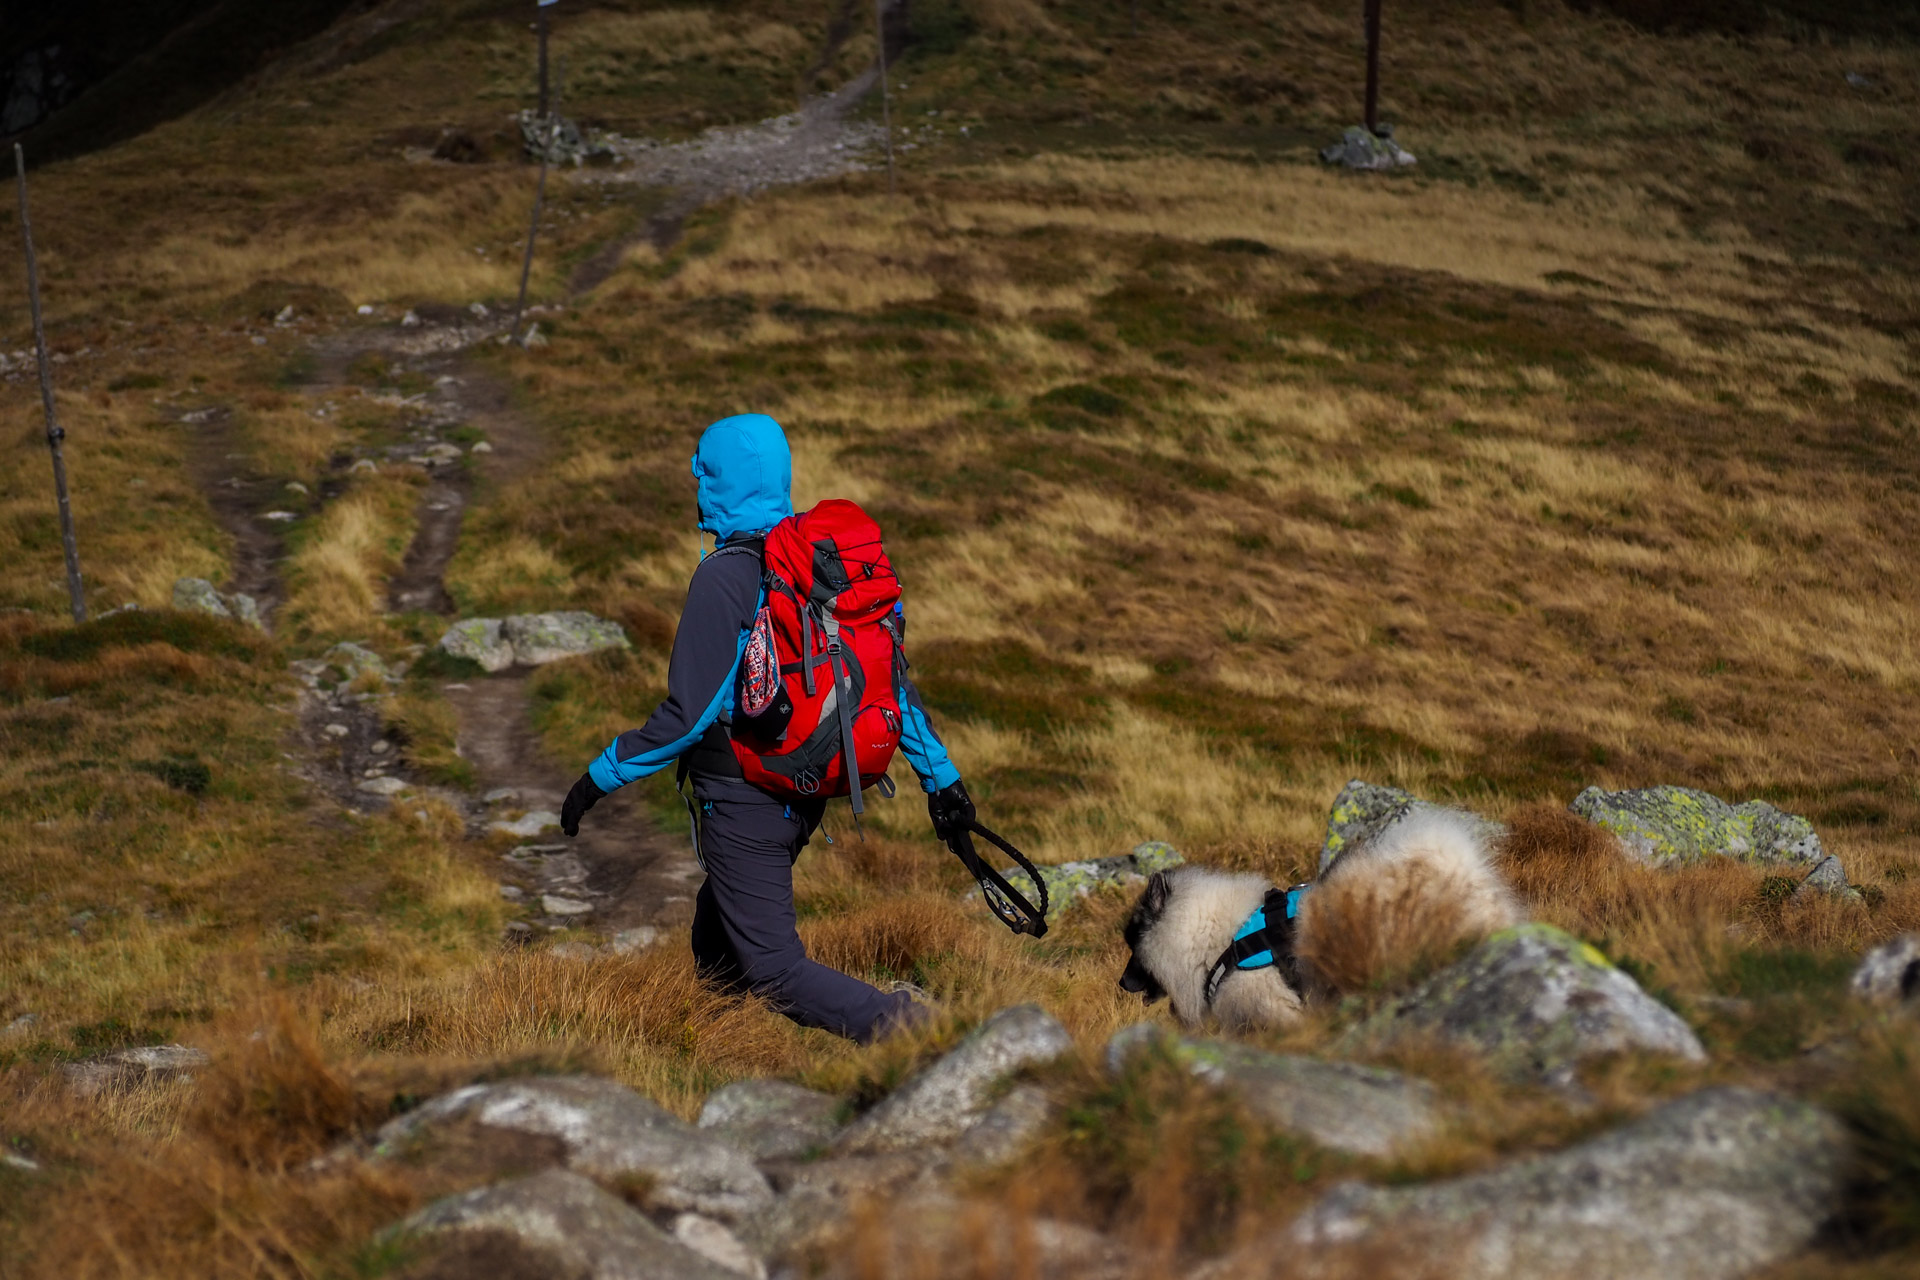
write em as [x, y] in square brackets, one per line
[816, 710]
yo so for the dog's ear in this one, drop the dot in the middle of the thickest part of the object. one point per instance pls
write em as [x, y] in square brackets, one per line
[1159, 889]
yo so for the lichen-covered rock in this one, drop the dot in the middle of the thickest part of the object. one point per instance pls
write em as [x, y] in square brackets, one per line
[1359, 148]
[771, 1119]
[1342, 1106]
[1534, 1000]
[1007, 1128]
[1890, 973]
[555, 1224]
[821, 1195]
[353, 661]
[131, 1068]
[540, 638]
[604, 1130]
[1068, 882]
[1363, 810]
[197, 595]
[943, 1099]
[1676, 826]
[479, 640]
[1718, 1184]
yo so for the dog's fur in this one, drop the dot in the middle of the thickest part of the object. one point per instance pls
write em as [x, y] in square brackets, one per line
[1404, 899]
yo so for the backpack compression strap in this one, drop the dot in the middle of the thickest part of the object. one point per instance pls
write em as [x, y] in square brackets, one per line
[1265, 941]
[1002, 898]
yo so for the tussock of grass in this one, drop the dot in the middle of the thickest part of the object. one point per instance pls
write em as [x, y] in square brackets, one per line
[337, 580]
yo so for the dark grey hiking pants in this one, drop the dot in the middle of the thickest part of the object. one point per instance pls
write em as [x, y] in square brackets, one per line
[743, 921]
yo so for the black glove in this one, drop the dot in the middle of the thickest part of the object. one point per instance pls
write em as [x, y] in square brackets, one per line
[951, 810]
[583, 797]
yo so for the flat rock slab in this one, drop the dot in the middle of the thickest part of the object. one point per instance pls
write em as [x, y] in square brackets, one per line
[1068, 882]
[197, 595]
[1890, 973]
[132, 1068]
[1342, 1106]
[771, 1119]
[554, 1224]
[943, 1099]
[1712, 1186]
[1534, 1000]
[602, 1129]
[1363, 810]
[479, 640]
[1678, 826]
[540, 638]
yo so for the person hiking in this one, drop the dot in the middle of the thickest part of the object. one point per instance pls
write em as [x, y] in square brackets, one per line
[749, 832]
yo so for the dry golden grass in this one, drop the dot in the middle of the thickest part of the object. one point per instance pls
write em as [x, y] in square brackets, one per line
[1547, 464]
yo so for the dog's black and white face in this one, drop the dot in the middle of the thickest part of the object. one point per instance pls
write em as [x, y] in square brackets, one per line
[1146, 914]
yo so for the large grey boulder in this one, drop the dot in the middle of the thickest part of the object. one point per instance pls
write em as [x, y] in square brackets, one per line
[1007, 1128]
[1534, 1001]
[479, 640]
[197, 595]
[943, 1099]
[771, 1119]
[602, 1129]
[1068, 882]
[555, 1224]
[1890, 973]
[1678, 826]
[1342, 1106]
[821, 1195]
[1363, 810]
[1717, 1184]
[540, 638]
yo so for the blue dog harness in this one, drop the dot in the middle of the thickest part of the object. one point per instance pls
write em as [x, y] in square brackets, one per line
[1265, 941]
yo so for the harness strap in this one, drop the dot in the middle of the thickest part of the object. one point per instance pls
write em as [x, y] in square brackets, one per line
[1265, 941]
[843, 696]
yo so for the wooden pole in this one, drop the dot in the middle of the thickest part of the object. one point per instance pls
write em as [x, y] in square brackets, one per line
[1373, 66]
[55, 434]
[542, 11]
[886, 106]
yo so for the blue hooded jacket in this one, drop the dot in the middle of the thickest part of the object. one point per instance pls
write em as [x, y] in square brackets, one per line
[744, 472]
[744, 476]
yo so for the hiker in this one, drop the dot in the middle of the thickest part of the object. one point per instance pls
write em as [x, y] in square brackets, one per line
[754, 809]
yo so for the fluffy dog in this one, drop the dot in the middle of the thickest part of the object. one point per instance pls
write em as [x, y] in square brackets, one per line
[1402, 900]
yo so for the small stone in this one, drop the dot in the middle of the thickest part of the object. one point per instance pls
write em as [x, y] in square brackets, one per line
[20, 1026]
[480, 640]
[712, 1241]
[197, 595]
[1360, 148]
[409, 320]
[336, 731]
[285, 316]
[1069, 882]
[442, 452]
[555, 905]
[531, 824]
[365, 465]
[381, 747]
[512, 892]
[478, 308]
[353, 661]
[382, 786]
[943, 1099]
[280, 516]
[572, 951]
[365, 309]
[518, 927]
[500, 795]
[481, 446]
[294, 486]
[771, 1119]
[628, 941]
[1890, 973]
[130, 1068]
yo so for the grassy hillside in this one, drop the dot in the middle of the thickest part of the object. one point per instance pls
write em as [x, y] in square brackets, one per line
[1581, 453]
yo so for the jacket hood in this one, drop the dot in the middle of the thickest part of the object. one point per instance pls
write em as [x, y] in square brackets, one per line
[745, 475]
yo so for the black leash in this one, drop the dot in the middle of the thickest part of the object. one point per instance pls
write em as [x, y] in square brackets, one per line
[1003, 899]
